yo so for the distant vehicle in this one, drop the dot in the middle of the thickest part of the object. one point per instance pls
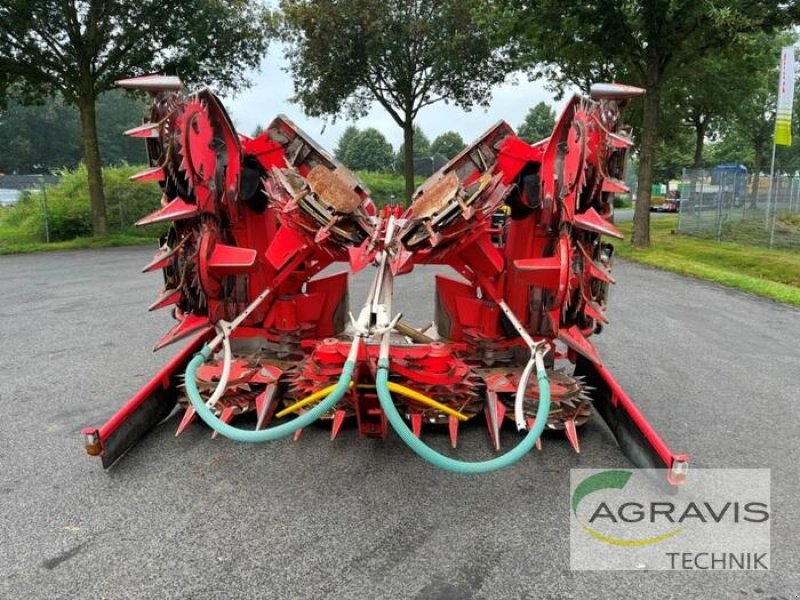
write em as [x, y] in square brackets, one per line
[671, 204]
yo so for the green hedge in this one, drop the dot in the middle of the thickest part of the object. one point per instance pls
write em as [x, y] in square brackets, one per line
[386, 188]
[69, 215]
[68, 211]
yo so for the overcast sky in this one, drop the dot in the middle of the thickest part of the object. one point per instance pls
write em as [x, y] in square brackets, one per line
[272, 88]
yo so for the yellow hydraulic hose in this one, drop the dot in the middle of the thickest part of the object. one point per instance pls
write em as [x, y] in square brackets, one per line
[308, 400]
[422, 399]
[394, 387]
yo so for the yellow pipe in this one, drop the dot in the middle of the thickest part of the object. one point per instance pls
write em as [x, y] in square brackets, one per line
[308, 400]
[393, 387]
[422, 399]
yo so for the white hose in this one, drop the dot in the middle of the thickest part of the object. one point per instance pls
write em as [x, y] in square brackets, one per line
[227, 361]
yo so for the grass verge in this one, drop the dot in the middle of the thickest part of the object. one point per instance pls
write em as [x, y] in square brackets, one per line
[773, 274]
[111, 241]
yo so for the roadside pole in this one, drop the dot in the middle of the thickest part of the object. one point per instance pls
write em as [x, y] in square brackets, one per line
[720, 191]
[44, 210]
[783, 125]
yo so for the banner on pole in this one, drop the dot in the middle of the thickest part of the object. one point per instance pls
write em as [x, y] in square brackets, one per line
[783, 118]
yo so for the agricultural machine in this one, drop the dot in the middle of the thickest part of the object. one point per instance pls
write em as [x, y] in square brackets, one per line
[256, 227]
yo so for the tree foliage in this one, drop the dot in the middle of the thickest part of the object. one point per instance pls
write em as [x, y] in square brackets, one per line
[346, 144]
[538, 123]
[713, 91]
[420, 147]
[643, 43]
[365, 150]
[448, 144]
[403, 54]
[78, 48]
[42, 137]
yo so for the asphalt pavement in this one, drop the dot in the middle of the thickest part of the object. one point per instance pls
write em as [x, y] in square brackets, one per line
[715, 371]
[621, 215]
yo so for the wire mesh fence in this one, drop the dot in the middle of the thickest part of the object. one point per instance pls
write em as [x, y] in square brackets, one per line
[733, 205]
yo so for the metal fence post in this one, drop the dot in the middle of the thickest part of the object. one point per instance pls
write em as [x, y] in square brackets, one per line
[720, 192]
[746, 197]
[698, 206]
[681, 189]
[44, 211]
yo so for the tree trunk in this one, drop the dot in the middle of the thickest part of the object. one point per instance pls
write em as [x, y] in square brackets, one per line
[91, 155]
[757, 160]
[408, 158]
[641, 215]
[699, 141]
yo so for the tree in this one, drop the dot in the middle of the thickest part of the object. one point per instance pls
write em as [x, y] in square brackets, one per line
[346, 145]
[257, 131]
[421, 147]
[755, 122]
[538, 124]
[710, 92]
[371, 151]
[448, 144]
[78, 48]
[403, 54]
[366, 150]
[643, 43]
[117, 111]
[37, 139]
[45, 136]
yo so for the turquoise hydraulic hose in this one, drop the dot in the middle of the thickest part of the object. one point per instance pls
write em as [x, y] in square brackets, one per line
[261, 435]
[450, 464]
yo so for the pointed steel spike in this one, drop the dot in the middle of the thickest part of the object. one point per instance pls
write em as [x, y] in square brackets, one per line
[401, 262]
[544, 272]
[416, 424]
[572, 434]
[151, 83]
[614, 91]
[160, 260]
[231, 260]
[453, 427]
[501, 413]
[573, 338]
[152, 174]
[531, 424]
[190, 324]
[491, 410]
[592, 221]
[615, 186]
[145, 130]
[189, 417]
[620, 141]
[322, 235]
[593, 311]
[176, 210]
[338, 419]
[266, 403]
[225, 417]
[359, 256]
[297, 434]
[166, 298]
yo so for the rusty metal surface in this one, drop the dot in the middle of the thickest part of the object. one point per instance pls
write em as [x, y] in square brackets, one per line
[440, 193]
[333, 190]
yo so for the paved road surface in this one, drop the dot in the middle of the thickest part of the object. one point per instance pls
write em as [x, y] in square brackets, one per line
[715, 370]
[621, 215]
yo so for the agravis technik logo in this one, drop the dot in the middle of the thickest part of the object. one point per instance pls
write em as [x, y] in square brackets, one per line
[627, 519]
[612, 480]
